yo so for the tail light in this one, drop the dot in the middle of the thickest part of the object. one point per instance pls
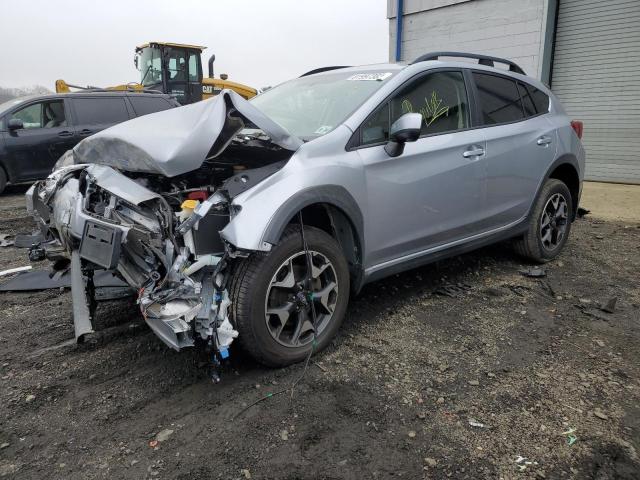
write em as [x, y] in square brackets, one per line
[578, 127]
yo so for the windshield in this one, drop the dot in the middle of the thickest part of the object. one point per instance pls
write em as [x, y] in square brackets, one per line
[312, 106]
[150, 66]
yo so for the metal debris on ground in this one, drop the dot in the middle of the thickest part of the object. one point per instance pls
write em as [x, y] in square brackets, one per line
[6, 240]
[534, 272]
[15, 270]
[451, 290]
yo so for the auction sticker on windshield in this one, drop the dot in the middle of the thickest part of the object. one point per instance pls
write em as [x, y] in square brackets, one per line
[376, 77]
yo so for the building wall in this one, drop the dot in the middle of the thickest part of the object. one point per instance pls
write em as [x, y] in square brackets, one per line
[514, 29]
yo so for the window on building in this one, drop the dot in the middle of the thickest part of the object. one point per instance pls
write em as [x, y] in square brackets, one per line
[100, 110]
[440, 98]
[499, 99]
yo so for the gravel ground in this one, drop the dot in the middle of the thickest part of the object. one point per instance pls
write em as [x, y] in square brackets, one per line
[462, 369]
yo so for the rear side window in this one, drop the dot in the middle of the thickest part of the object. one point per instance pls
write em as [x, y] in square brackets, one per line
[540, 99]
[146, 105]
[99, 110]
[499, 99]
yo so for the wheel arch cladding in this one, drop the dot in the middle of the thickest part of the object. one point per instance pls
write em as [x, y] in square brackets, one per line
[566, 171]
[332, 209]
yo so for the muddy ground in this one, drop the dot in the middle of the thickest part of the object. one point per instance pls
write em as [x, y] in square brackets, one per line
[421, 357]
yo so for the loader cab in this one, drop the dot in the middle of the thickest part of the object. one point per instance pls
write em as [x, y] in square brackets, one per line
[171, 68]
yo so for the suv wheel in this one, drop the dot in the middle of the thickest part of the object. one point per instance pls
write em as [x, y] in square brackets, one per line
[549, 224]
[271, 309]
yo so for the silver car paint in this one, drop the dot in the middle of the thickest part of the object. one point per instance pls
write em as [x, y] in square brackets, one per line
[427, 199]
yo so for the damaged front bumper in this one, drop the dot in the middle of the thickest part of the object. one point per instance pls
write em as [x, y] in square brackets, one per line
[173, 258]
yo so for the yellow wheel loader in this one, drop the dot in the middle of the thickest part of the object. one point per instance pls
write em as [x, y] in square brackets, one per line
[175, 69]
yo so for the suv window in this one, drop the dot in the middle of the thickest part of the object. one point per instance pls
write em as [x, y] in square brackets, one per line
[499, 99]
[146, 105]
[441, 99]
[42, 115]
[540, 99]
[99, 110]
[527, 101]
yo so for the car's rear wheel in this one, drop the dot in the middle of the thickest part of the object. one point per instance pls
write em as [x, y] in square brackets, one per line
[272, 303]
[549, 223]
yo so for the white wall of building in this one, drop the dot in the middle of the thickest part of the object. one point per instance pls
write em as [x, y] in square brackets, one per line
[513, 29]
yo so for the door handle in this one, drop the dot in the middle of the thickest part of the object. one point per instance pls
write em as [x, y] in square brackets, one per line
[85, 131]
[473, 152]
[65, 133]
[544, 140]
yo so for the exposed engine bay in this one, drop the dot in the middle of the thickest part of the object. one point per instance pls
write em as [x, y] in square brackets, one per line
[159, 233]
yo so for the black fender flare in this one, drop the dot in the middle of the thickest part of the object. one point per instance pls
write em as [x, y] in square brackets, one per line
[567, 158]
[334, 195]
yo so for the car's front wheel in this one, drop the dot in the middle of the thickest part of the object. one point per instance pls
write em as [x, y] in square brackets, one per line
[549, 223]
[274, 302]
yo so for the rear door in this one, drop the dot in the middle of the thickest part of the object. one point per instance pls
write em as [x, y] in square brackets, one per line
[32, 151]
[93, 113]
[521, 144]
[432, 194]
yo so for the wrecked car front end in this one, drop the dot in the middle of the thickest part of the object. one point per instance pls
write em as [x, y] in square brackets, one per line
[147, 198]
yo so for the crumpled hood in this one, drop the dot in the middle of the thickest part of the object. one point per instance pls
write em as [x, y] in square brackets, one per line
[177, 141]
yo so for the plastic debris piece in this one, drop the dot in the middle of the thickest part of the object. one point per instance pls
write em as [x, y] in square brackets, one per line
[153, 443]
[534, 272]
[475, 423]
[610, 306]
[522, 463]
[571, 439]
[6, 240]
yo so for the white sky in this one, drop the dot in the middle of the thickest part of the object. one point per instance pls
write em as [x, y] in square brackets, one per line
[256, 42]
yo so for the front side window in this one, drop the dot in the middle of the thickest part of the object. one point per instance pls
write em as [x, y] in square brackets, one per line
[499, 99]
[42, 115]
[440, 98]
[150, 66]
[100, 110]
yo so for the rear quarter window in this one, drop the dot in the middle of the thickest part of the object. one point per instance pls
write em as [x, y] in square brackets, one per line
[146, 105]
[100, 110]
[499, 99]
[540, 99]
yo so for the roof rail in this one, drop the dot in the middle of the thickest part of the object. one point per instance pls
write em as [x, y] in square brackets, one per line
[323, 69]
[486, 60]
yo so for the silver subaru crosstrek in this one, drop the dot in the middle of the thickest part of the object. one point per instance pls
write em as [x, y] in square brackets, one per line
[258, 219]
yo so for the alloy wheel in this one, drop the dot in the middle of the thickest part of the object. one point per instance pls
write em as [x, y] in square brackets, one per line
[554, 220]
[289, 299]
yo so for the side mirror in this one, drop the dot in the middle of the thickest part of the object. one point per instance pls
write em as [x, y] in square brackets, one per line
[15, 124]
[405, 129]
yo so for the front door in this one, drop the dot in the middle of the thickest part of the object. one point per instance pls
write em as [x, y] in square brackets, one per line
[46, 135]
[432, 194]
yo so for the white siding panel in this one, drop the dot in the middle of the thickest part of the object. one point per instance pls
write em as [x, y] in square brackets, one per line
[513, 29]
[595, 74]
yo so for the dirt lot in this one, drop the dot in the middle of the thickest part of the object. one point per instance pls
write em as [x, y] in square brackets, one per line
[421, 357]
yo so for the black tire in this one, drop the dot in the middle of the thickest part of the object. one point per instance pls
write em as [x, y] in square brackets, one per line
[531, 245]
[3, 180]
[250, 285]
